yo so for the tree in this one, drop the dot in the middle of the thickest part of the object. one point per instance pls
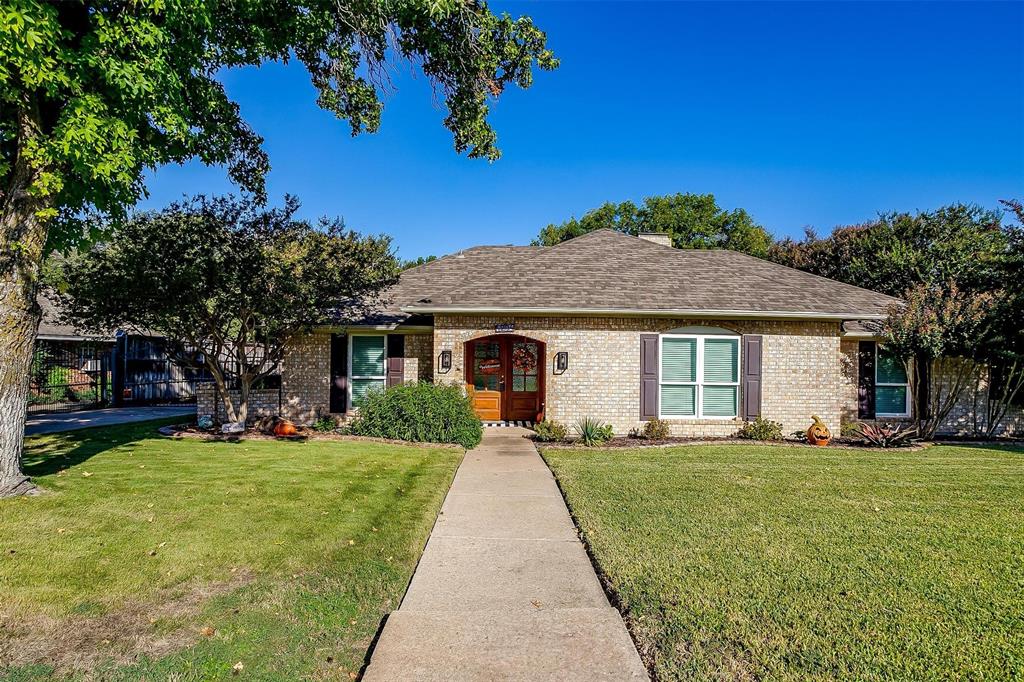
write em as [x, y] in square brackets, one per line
[95, 92]
[1004, 347]
[961, 243]
[694, 221]
[938, 327]
[407, 264]
[227, 283]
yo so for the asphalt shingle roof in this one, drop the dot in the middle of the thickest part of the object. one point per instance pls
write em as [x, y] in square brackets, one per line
[607, 271]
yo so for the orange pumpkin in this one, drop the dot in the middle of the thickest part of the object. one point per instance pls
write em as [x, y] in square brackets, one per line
[818, 433]
[285, 428]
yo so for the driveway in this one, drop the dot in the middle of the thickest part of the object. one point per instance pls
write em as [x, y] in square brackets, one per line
[83, 419]
[504, 590]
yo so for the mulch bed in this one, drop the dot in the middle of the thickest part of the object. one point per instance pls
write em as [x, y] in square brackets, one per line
[304, 434]
[621, 442]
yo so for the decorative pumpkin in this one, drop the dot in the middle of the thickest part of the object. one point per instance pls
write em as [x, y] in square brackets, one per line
[818, 433]
[285, 428]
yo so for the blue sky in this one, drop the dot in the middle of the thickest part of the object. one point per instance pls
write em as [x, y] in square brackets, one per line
[805, 113]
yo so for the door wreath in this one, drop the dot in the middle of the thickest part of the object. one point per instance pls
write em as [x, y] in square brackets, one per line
[524, 358]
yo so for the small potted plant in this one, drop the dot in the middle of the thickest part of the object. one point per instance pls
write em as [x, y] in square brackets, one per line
[818, 433]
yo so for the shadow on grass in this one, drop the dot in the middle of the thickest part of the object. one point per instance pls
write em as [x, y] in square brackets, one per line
[49, 453]
[1016, 448]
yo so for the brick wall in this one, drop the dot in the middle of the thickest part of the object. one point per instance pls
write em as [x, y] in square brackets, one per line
[306, 378]
[419, 357]
[262, 403]
[969, 415]
[966, 417]
[801, 367]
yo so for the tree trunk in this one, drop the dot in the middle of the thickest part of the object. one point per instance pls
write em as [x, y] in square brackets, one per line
[22, 237]
[244, 387]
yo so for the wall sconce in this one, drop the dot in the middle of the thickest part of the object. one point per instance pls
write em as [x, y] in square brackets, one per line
[561, 361]
[446, 360]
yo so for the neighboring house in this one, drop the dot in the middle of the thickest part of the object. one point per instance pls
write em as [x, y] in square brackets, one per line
[610, 326]
[74, 370]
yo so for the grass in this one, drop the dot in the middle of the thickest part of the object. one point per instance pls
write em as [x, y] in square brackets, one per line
[291, 552]
[747, 562]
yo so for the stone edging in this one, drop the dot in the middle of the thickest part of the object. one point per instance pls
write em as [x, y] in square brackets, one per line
[174, 431]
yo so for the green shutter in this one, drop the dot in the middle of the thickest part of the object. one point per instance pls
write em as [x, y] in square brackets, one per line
[719, 401]
[367, 356]
[891, 369]
[890, 399]
[360, 387]
[678, 401]
[721, 364]
[679, 359]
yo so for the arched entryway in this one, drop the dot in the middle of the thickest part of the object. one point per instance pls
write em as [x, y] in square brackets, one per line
[505, 377]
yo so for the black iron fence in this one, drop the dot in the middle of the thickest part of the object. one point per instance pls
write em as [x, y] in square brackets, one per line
[132, 370]
[69, 375]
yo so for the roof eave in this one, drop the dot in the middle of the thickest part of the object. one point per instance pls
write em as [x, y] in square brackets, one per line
[622, 312]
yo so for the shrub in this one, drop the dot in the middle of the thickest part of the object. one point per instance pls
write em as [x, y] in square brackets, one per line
[423, 412]
[656, 429]
[324, 425]
[849, 430]
[887, 435]
[761, 429]
[593, 431]
[550, 431]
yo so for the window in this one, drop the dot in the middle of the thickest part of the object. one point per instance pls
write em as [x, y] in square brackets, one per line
[366, 366]
[699, 376]
[892, 392]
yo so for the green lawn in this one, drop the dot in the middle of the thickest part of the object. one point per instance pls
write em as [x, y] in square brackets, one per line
[747, 562]
[291, 552]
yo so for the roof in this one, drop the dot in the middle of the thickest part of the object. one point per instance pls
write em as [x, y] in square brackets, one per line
[607, 272]
[52, 327]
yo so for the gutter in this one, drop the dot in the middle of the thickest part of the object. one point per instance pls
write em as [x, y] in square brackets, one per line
[619, 312]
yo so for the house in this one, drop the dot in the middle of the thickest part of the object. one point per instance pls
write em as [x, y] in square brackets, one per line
[620, 328]
[73, 370]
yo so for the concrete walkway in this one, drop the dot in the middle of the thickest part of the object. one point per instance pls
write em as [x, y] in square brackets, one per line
[53, 422]
[504, 590]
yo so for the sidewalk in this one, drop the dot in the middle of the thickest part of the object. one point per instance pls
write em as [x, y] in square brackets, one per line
[53, 422]
[504, 590]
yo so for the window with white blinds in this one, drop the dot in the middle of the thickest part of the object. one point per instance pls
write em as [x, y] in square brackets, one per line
[367, 373]
[699, 376]
[892, 388]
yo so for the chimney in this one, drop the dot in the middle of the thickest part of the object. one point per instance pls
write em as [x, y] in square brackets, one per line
[663, 238]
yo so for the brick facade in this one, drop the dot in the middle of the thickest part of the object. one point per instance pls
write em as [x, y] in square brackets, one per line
[262, 403]
[968, 416]
[801, 367]
[419, 357]
[806, 369]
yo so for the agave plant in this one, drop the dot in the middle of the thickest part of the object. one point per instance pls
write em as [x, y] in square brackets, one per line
[886, 435]
[593, 431]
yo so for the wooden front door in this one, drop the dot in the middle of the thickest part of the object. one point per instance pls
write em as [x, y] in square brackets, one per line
[506, 373]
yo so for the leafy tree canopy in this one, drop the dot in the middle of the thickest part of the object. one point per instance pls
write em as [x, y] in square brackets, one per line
[694, 221]
[228, 279]
[93, 92]
[416, 262]
[963, 244]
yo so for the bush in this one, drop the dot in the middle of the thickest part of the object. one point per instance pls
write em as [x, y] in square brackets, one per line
[887, 436]
[324, 425]
[656, 429]
[423, 412]
[593, 431]
[849, 430]
[761, 429]
[550, 431]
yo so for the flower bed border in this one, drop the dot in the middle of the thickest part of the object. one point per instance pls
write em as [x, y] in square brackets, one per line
[190, 431]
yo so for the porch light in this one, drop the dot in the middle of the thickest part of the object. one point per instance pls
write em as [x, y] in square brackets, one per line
[561, 361]
[446, 360]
